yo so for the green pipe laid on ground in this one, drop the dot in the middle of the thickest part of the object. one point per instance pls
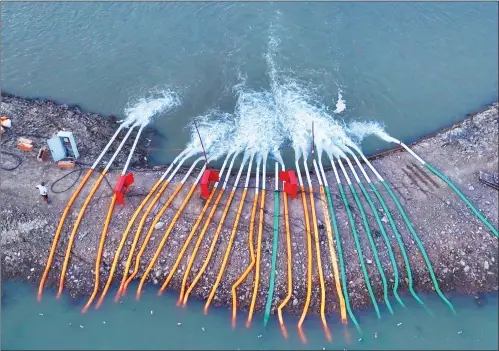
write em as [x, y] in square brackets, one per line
[373, 246]
[340, 257]
[420, 245]
[399, 241]
[274, 258]
[466, 201]
[387, 243]
[359, 250]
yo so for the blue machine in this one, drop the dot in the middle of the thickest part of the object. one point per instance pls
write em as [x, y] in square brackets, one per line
[63, 146]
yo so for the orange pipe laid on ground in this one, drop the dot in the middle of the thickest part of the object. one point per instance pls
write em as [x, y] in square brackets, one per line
[149, 234]
[333, 256]
[123, 240]
[227, 252]
[58, 232]
[122, 289]
[258, 254]
[319, 265]
[75, 229]
[165, 238]
[184, 248]
[212, 246]
[289, 266]
[309, 256]
[99, 253]
[198, 242]
[252, 258]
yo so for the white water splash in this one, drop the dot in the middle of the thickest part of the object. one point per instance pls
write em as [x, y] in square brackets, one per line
[145, 108]
[340, 103]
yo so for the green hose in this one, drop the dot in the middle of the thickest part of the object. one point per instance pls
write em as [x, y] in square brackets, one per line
[340, 257]
[274, 259]
[420, 245]
[373, 247]
[387, 243]
[466, 201]
[359, 250]
[399, 241]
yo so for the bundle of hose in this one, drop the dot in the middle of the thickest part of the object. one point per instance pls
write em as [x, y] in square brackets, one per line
[57, 235]
[258, 248]
[127, 279]
[99, 253]
[318, 254]
[218, 230]
[357, 242]
[184, 296]
[275, 242]
[368, 231]
[338, 242]
[251, 249]
[231, 239]
[395, 230]
[332, 252]
[309, 255]
[381, 228]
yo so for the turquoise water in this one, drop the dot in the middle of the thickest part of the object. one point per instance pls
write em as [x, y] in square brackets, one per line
[416, 67]
[153, 323]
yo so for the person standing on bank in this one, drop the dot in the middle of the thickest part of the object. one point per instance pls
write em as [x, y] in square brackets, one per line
[43, 192]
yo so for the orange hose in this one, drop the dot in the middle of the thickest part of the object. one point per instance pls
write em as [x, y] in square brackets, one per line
[334, 259]
[123, 240]
[99, 252]
[149, 234]
[309, 264]
[121, 290]
[258, 255]
[198, 243]
[289, 264]
[319, 266]
[75, 229]
[184, 248]
[165, 238]
[212, 247]
[227, 252]
[58, 233]
[250, 265]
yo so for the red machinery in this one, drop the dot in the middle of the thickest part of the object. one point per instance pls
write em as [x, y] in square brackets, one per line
[122, 185]
[209, 177]
[291, 184]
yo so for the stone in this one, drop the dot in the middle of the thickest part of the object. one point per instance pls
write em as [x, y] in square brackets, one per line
[159, 225]
[369, 261]
[471, 188]
[295, 301]
[462, 263]
[466, 269]
[486, 265]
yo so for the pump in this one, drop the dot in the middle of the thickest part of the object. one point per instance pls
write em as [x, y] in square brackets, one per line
[209, 177]
[63, 146]
[290, 185]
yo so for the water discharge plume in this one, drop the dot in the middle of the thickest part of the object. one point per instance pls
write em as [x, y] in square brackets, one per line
[359, 130]
[340, 103]
[145, 108]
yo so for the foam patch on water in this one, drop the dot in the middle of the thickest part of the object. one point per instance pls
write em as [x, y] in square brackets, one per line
[145, 108]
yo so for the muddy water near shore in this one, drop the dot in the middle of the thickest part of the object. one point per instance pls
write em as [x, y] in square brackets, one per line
[156, 323]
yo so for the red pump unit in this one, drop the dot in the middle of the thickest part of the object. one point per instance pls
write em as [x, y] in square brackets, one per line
[291, 184]
[122, 185]
[209, 176]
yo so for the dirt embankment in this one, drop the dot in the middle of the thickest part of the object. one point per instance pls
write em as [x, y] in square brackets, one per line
[464, 255]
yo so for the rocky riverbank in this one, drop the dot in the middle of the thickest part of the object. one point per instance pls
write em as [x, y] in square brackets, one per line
[463, 253]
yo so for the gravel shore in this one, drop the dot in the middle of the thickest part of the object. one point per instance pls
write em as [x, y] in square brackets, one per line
[463, 253]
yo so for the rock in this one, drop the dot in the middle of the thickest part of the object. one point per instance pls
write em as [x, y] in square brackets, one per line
[466, 269]
[462, 263]
[159, 225]
[368, 261]
[295, 301]
[486, 265]
[384, 219]
[471, 188]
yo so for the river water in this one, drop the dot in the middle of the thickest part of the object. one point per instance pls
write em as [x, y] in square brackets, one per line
[156, 323]
[415, 67]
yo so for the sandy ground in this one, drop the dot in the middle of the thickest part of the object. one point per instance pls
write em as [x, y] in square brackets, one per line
[463, 253]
